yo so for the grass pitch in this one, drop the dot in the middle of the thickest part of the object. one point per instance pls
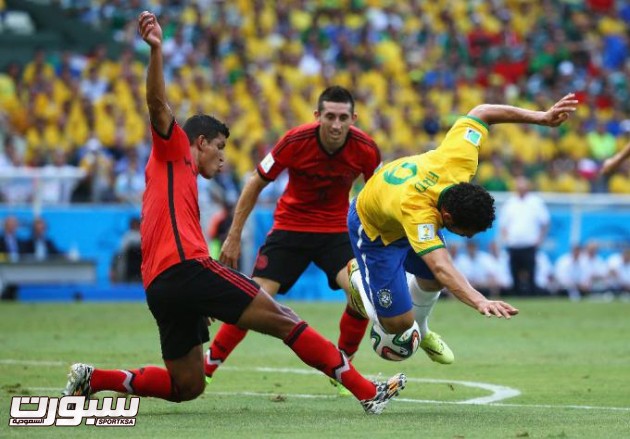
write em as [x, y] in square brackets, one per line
[558, 370]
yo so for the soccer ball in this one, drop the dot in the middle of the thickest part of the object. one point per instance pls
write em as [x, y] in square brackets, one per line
[395, 347]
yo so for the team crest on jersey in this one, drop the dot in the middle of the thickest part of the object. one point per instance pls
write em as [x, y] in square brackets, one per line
[473, 136]
[384, 298]
[426, 232]
[267, 162]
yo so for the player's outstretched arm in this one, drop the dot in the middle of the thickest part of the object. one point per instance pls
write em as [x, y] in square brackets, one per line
[553, 117]
[159, 111]
[612, 163]
[231, 248]
[440, 263]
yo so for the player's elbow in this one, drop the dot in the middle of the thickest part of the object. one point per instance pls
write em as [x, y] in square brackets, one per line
[482, 112]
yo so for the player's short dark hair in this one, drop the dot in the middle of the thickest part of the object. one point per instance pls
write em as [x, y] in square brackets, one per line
[335, 93]
[470, 206]
[204, 125]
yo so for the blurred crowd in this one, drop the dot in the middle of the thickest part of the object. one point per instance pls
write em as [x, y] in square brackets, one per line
[581, 273]
[413, 67]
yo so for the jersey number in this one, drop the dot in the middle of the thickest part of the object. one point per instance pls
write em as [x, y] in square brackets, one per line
[408, 170]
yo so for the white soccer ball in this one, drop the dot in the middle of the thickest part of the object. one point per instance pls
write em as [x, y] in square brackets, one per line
[395, 347]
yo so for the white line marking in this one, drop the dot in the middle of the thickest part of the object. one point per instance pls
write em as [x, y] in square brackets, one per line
[32, 363]
[414, 401]
[499, 393]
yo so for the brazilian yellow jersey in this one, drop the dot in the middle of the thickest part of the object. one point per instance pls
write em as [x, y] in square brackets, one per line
[403, 197]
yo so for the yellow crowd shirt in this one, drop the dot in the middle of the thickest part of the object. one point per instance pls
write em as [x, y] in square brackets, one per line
[403, 197]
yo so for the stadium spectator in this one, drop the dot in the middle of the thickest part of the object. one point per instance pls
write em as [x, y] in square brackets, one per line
[501, 274]
[593, 270]
[568, 273]
[97, 186]
[619, 271]
[127, 261]
[177, 49]
[322, 159]
[39, 246]
[11, 245]
[478, 267]
[17, 190]
[226, 187]
[524, 223]
[59, 178]
[184, 286]
[129, 184]
[11, 249]
[545, 279]
[395, 221]
[93, 86]
[37, 69]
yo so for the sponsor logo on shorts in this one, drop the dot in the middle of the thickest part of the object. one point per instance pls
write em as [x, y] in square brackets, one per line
[384, 298]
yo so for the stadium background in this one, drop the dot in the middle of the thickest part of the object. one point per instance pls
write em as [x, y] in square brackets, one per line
[72, 103]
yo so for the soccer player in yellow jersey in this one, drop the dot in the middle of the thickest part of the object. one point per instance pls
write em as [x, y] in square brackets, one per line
[395, 221]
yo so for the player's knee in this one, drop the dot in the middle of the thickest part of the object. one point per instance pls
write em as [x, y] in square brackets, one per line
[283, 322]
[191, 392]
[288, 313]
[188, 390]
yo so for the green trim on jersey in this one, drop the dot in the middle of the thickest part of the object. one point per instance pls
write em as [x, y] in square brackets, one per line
[430, 249]
[476, 119]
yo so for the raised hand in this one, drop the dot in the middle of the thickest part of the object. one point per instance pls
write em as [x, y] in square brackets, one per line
[560, 111]
[149, 29]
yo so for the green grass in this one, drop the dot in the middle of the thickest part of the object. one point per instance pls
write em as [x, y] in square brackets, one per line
[569, 361]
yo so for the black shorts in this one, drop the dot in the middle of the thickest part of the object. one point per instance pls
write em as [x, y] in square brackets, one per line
[285, 255]
[184, 295]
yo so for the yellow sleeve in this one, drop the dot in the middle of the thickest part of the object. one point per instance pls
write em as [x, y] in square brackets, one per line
[421, 222]
[462, 143]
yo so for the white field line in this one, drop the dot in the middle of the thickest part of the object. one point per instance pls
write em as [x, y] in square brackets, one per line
[408, 400]
[498, 393]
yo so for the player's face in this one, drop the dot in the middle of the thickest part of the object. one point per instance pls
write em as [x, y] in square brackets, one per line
[211, 156]
[335, 119]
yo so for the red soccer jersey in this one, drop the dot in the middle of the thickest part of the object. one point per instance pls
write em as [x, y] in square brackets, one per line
[317, 195]
[170, 228]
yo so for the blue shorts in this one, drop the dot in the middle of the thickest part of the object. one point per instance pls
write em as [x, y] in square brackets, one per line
[384, 268]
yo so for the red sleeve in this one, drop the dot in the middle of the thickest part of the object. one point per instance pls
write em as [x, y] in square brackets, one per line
[276, 161]
[173, 146]
[371, 163]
